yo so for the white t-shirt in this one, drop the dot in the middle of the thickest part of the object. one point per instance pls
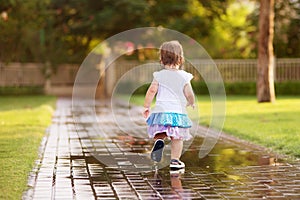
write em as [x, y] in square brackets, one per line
[170, 96]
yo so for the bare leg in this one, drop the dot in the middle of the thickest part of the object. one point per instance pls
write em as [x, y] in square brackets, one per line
[176, 149]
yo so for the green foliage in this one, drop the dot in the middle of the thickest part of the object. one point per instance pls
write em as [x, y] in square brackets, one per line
[287, 88]
[286, 28]
[63, 31]
[287, 20]
[229, 36]
[23, 90]
[57, 31]
[23, 122]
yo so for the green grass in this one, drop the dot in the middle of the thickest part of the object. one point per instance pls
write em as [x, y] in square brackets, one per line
[273, 125]
[23, 120]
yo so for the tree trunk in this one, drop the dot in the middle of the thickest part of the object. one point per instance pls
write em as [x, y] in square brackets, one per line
[100, 91]
[265, 69]
[47, 75]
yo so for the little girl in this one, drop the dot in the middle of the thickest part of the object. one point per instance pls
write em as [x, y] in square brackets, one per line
[174, 93]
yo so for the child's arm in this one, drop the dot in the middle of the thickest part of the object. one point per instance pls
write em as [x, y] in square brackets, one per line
[152, 90]
[189, 95]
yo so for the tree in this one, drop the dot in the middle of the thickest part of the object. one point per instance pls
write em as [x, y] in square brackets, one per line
[286, 28]
[287, 20]
[230, 35]
[65, 31]
[265, 68]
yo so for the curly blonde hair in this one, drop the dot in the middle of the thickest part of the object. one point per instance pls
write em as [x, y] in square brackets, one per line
[171, 53]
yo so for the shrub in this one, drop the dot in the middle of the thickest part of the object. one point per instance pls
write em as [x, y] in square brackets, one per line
[22, 90]
[287, 88]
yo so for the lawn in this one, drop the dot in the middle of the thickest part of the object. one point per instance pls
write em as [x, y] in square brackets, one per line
[273, 125]
[23, 121]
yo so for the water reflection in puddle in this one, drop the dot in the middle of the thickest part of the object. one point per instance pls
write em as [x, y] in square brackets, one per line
[210, 177]
[224, 155]
[118, 165]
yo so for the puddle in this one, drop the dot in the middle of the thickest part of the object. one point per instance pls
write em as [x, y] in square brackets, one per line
[224, 155]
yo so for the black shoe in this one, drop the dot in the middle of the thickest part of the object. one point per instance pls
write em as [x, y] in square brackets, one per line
[157, 150]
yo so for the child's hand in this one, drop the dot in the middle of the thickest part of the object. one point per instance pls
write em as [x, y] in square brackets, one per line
[146, 112]
[192, 105]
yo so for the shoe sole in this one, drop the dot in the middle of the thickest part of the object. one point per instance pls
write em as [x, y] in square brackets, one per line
[177, 171]
[157, 150]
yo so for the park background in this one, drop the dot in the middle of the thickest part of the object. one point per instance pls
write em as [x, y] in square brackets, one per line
[43, 43]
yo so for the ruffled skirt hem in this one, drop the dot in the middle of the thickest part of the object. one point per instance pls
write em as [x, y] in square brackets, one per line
[172, 132]
[175, 125]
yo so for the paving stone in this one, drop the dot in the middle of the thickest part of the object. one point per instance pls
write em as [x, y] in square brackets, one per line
[69, 169]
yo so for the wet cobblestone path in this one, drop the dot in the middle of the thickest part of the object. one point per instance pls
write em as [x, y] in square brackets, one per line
[70, 166]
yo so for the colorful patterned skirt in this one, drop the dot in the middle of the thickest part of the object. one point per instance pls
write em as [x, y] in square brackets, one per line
[175, 125]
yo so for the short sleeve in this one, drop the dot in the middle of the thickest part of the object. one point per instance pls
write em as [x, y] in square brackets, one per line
[156, 76]
[188, 77]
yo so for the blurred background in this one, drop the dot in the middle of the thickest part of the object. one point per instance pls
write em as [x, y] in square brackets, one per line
[48, 39]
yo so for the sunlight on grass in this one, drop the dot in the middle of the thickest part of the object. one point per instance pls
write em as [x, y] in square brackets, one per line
[23, 123]
[274, 125]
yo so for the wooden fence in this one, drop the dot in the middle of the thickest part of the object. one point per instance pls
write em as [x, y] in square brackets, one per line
[235, 70]
[231, 70]
[31, 74]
